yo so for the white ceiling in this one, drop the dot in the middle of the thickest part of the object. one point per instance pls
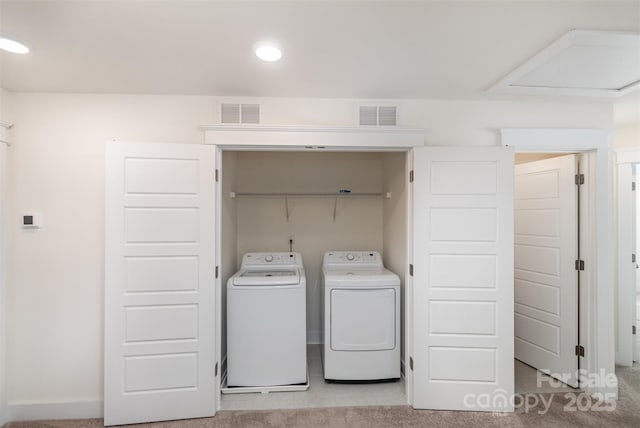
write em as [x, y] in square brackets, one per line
[363, 49]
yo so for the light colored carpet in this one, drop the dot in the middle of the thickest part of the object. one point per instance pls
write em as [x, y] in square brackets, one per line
[626, 414]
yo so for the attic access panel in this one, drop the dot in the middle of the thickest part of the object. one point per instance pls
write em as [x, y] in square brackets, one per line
[581, 63]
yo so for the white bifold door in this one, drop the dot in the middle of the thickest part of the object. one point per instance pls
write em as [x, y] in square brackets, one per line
[159, 282]
[463, 278]
[546, 279]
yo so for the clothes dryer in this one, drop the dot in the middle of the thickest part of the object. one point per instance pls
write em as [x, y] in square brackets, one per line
[361, 317]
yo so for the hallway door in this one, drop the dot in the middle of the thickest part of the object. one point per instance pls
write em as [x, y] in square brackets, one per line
[546, 275]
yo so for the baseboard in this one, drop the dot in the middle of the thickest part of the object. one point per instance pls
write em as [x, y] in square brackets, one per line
[64, 410]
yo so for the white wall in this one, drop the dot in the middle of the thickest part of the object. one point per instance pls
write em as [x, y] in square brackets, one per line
[55, 277]
[394, 215]
[627, 135]
[229, 238]
[5, 114]
[626, 116]
[4, 136]
[447, 122]
[262, 223]
[532, 157]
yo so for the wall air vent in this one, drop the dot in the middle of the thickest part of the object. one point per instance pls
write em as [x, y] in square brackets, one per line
[240, 113]
[378, 115]
[250, 113]
[387, 116]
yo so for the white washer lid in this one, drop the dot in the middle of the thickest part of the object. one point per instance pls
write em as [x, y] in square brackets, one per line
[360, 278]
[267, 277]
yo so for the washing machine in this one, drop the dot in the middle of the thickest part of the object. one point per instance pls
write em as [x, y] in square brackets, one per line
[361, 317]
[266, 321]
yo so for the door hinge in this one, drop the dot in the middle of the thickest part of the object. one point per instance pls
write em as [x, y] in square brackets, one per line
[215, 370]
[580, 351]
[579, 264]
[411, 363]
[579, 179]
[633, 329]
[633, 186]
[410, 270]
[216, 175]
[411, 176]
[633, 258]
[217, 272]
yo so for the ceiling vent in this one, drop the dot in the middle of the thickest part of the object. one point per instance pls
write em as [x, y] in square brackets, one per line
[378, 115]
[240, 113]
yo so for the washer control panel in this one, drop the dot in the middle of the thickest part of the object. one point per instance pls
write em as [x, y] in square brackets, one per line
[333, 259]
[271, 259]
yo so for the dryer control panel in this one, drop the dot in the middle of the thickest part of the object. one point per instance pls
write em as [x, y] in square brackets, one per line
[352, 259]
[271, 259]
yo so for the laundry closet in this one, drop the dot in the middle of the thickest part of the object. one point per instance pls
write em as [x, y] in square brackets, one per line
[179, 217]
[312, 201]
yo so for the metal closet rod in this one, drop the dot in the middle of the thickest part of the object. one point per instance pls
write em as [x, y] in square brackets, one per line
[303, 195]
[335, 195]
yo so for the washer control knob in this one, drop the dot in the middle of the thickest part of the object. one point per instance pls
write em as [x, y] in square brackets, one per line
[268, 258]
[350, 256]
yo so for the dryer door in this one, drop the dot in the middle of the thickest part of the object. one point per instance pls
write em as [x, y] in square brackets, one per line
[363, 319]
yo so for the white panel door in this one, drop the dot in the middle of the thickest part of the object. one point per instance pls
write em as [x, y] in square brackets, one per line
[159, 282]
[546, 281]
[463, 278]
[628, 290]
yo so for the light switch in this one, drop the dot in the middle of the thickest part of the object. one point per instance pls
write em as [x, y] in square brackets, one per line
[31, 220]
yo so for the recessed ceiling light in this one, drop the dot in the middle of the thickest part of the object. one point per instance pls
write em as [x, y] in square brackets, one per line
[267, 51]
[12, 46]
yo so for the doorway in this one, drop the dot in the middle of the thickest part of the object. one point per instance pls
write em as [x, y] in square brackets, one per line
[596, 203]
[290, 201]
[628, 299]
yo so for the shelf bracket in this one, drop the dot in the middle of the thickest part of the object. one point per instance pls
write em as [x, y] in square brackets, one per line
[335, 208]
